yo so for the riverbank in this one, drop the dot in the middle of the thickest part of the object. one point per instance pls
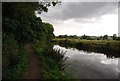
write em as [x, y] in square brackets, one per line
[51, 61]
[111, 48]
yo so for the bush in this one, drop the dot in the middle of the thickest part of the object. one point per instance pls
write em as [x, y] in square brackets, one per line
[14, 58]
[15, 72]
[10, 51]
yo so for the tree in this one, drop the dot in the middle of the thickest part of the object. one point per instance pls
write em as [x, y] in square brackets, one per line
[84, 36]
[101, 37]
[43, 5]
[105, 37]
[114, 36]
[20, 26]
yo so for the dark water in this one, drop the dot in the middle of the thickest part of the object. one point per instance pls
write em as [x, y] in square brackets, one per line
[89, 65]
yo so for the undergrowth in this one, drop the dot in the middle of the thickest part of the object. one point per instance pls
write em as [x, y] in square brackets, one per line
[15, 72]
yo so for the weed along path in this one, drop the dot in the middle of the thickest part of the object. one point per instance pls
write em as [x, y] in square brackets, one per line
[33, 70]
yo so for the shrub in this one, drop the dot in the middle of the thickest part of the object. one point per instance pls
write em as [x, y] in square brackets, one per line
[10, 51]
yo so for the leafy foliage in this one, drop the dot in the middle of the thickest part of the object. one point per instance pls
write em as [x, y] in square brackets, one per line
[22, 22]
[43, 5]
[20, 26]
[14, 72]
[10, 51]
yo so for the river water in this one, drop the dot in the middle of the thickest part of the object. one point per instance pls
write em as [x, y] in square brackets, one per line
[89, 65]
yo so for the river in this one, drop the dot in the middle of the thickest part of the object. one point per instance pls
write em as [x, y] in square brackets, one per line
[89, 65]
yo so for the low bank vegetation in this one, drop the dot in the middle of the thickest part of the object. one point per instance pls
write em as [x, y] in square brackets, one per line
[109, 47]
[52, 62]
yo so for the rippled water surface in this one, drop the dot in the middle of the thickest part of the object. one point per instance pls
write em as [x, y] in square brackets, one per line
[89, 65]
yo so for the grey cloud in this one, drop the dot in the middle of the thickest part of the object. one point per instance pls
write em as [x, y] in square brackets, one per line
[85, 20]
[89, 0]
[119, 19]
[61, 0]
[81, 10]
[19, 0]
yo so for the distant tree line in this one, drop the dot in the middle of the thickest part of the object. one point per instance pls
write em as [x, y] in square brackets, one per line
[105, 37]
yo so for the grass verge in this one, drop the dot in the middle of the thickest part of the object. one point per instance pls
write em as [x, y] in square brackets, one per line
[51, 62]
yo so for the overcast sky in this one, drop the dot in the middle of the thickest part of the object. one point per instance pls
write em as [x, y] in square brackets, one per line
[78, 18]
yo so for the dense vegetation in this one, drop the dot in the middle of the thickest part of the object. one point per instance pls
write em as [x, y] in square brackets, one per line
[21, 26]
[87, 37]
[52, 62]
[109, 47]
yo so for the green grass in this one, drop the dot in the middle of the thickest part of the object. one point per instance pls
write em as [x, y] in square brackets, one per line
[86, 41]
[51, 62]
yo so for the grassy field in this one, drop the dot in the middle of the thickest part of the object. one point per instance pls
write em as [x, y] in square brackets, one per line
[109, 47]
[83, 40]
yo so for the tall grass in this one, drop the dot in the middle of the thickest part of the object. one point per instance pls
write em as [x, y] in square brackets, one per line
[52, 62]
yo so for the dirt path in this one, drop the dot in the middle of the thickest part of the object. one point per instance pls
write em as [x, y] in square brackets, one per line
[33, 70]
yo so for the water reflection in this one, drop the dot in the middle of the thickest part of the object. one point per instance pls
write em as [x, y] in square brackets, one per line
[90, 65]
